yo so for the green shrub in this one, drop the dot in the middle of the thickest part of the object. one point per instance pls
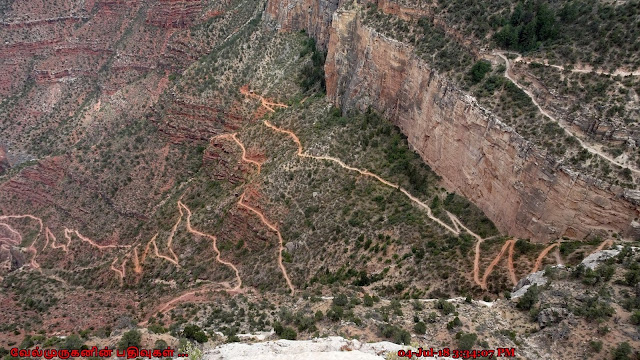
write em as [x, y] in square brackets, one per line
[594, 309]
[284, 332]
[622, 352]
[479, 70]
[396, 334]
[454, 323]
[466, 341]
[445, 307]
[72, 342]
[368, 300]
[529, 298]
[130, 338]
[193, 332]
[340, 300]
[596, 346]
[160, 344]
[157, 329]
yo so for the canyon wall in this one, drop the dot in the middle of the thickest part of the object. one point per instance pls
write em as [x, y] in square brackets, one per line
[313, 16]
[525, 193]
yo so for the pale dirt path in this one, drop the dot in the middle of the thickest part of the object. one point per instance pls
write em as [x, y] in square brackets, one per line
[581, 69]
[556, 254]
[510, 266]
[591, 148]
[262, 217]
[542, 255]
[453, 221]
[173, 232]
[32, 249]
[138, 261]
[269, 105]
[280, 240]
[508, 245]
[367, 173]
[234, 137]
[456, 222]
[186, 297]
[51, 241]
[604, 244]
[215, 247]
[120, 272]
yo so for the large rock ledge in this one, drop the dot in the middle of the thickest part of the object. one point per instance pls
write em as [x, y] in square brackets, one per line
[524, 192]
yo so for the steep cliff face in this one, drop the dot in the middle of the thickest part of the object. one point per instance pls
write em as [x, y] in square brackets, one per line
[524, 193]
[313, 16]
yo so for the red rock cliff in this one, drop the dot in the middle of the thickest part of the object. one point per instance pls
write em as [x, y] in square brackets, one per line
[313, 16]
[524, 193]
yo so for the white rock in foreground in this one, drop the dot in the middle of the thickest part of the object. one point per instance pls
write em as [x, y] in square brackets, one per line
[331, 348]
[595, 259]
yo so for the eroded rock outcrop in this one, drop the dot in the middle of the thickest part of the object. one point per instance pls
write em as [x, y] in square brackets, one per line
[524, 192]
[4, 162]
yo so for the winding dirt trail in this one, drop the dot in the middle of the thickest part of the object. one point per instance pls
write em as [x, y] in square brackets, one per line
[49, 237]
[542, 255]
[508, 245]
[138, 261]
[234, 137]
[604, 244]
[457, 224]
[260, 215]
[269, 105]
[120, 272]
[190, 295]
[170, 238]
[557, 256]
[51, 241]
[580, 69]
[367, 173]
[280, 240]
[215, 247]
[456, 230]
[590, 148]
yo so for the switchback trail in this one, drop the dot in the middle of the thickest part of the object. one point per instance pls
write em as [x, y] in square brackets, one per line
[138, 261]
[49, 238]
[280, 240]
[234, 137]
[51, 241]
[590, 148]
[542, 255]
[223, 286]
[458, 225]
[187, 296]
[215, 247]
[262, 217]
[508, 245]
[269, 105]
